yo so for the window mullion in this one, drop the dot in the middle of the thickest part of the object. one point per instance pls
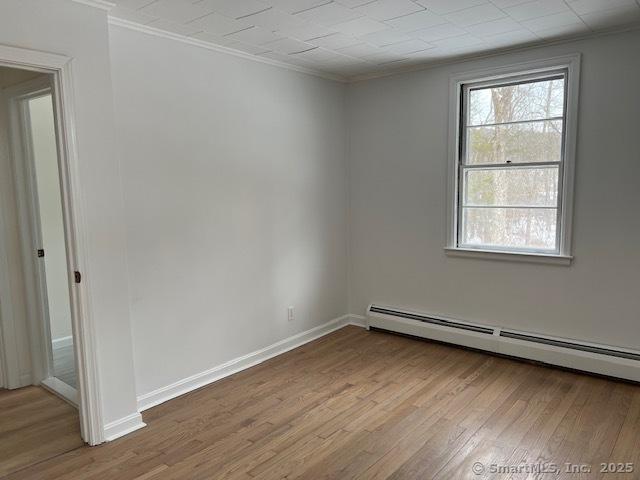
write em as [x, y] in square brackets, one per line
[523, 165]
[523, 207]
[516, 122]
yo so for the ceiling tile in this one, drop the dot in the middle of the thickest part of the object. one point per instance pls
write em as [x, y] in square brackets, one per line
[335, 41]
[535, 9]
[384, 58]
[582, 7]
[388, 9]
[295, 6]
[432, 53]
[439, 32]
[219, 24]
[361, 50]
[212, 38]
[455, 43]
[274, 19]
[254, 35]
[329, 14]
[353, 3]
[371, 53]
[509, 39]
[180, 11]
[292, 60]
[410, 46]
[416, 21]
[495, 27]
[235, 8]
[612, 18]
[306, 31]
[248, 48]
[289, 46]
[360, 26]
[563, 31]
[132, 4]
[447, 6]
[475, 15]
[174, 27]
[508, 3]
[552, 21]
[385, 37]
[324, 56]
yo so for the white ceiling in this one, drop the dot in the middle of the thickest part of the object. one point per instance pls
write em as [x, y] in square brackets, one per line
[351, 38]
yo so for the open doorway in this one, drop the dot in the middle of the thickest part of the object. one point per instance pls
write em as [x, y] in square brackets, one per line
[38, 370]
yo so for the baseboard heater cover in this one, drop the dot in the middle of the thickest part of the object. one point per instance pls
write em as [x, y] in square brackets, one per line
[601, 359]
[432, 319]
[571, 345]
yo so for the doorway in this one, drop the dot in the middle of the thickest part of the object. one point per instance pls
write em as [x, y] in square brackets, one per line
[38, 368]
[36, 161]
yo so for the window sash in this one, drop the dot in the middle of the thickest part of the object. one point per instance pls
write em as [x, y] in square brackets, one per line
[504, 248]
[463, 166]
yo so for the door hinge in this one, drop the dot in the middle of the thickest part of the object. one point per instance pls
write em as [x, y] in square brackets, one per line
[40, 252]
[77, 276]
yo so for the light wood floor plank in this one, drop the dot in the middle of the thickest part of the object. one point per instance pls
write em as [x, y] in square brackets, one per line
[35, 425]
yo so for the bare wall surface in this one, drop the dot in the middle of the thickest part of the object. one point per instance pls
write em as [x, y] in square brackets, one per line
[236, 203]
[398, 162]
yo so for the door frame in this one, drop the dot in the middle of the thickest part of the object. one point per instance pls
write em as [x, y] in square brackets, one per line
[75, 226]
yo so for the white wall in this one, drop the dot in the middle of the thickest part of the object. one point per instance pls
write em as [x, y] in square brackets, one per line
[45, 155]
[236, 203]
[398, 161]
[80, 31]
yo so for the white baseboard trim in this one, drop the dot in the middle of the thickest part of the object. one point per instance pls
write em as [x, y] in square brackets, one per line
[62, 342]
[186, 385]
[357, 320]
[123, 426]
[62, 390]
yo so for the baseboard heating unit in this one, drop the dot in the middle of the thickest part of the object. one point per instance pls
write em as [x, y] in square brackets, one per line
[589, 357]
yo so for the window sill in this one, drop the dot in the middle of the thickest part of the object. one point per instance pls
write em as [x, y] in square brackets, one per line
[509, 256]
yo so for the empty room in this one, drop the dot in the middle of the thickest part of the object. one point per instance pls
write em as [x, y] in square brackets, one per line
[308, 239]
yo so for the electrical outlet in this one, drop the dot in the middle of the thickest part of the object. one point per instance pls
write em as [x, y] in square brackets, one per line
[290, 314]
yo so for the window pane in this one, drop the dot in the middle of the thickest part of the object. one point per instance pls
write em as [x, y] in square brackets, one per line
[511, 228]
[512, 186]
[511, 103]
[515, 143]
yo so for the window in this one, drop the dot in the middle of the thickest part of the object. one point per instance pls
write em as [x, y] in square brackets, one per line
[511, 173]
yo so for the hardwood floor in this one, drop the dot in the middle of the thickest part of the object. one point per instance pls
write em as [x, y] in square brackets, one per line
[64, 365]
[366, 405]
[35, 425]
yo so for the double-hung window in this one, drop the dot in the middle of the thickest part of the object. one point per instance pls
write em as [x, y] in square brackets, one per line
[512, 166]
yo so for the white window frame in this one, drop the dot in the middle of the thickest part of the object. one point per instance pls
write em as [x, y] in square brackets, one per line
[569, 63]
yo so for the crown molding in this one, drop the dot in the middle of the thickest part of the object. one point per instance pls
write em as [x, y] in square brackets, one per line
[101, 4]
[149, 30]
[493, 53]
